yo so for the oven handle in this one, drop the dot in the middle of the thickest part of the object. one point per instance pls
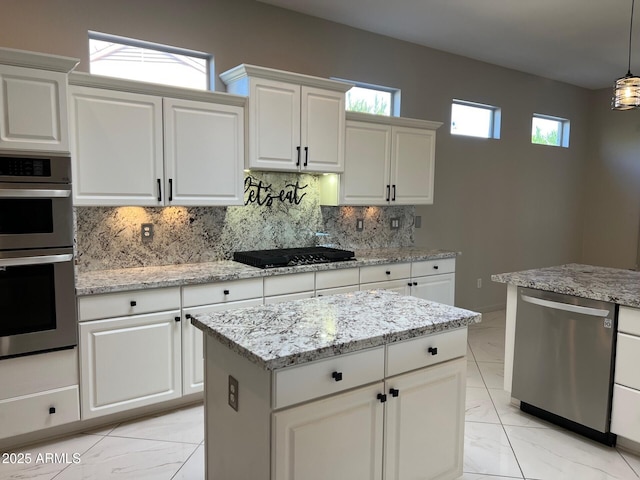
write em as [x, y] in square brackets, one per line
[39, 260]
[33, 193]
[596, 312]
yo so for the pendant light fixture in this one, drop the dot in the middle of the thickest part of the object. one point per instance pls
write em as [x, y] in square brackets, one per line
[626, 90]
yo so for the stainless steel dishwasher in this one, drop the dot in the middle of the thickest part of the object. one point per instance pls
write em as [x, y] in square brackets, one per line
[563, 361]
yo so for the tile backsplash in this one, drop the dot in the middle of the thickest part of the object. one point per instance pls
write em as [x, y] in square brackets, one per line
[281, 210]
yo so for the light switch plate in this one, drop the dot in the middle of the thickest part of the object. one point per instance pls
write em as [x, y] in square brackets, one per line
[359, 224]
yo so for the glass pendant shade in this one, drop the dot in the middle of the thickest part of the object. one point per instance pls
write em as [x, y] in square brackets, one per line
[626, 93]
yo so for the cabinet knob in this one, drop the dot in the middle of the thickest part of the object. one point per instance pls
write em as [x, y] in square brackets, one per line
[382, 397]
[226, 292]
[388, 272]
[394, 392]
[337, 376]
[177, 319]
[409, 284]
[433, 350]
[187, 316]
[133, 303]
[52, 410]
[435, 267]
[415, 284]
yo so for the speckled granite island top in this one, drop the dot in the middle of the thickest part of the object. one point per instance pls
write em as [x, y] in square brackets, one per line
[587, 281]
[291, 333]
[107, 281]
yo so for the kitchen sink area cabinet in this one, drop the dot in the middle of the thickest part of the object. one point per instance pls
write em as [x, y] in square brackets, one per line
[131, 359]
[147, 145]
[625, 410]
[388, 161]
[296, 122]
[434, 280]
[33, 101]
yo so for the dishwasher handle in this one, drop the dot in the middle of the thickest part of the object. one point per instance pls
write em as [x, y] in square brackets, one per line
[595, 312]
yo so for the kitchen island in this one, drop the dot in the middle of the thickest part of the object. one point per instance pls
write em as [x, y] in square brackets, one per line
[336, 387]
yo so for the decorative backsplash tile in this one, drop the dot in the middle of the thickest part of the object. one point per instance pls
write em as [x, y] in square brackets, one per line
[282, 210]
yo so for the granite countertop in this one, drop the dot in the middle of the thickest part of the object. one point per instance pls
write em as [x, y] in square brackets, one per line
[292, 333]
[108, 281]
[587, 281]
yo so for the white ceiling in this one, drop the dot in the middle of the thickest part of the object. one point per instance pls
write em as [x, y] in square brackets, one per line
[582, 42]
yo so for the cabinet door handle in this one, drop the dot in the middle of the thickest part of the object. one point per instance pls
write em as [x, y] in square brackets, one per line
[177, 319]
[306, 156]
[159, 190]
[133, 303]
[415, 284]
[394, 392]
[298, 162]
[388, 192]
[409, 284]
[52, 410]
[337, 376]
[382, 397]
[170, 189]
[187, 316]
[393, 199]
[226, 292]
[433, 350]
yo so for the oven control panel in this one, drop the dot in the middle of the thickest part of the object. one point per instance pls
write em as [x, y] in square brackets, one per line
[25, 167]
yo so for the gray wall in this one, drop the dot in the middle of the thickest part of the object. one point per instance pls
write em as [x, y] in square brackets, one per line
[506, 205]
[612, 189]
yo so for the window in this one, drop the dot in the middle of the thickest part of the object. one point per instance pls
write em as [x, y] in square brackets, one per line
[374, 99]
[475, 120]
[547, 130]
[149, 62]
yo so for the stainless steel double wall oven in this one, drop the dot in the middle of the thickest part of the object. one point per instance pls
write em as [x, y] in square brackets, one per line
[37, 287]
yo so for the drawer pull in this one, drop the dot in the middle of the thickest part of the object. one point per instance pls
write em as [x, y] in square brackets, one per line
[433, 350]
[409, 284]
[415, 284]
[187, 316]
[177, 319]
[52, 410]
[226, 292]
[388, 272]
[337, 376]
[435, 267]
[382, 397]
[394, 392]
[133, 303]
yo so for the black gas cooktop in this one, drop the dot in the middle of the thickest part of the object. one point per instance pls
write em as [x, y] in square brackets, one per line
[288, 257]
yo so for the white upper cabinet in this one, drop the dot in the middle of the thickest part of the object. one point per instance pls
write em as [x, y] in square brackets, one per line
[296, 122]
[147, 145]
[33, 101]
[388, 161]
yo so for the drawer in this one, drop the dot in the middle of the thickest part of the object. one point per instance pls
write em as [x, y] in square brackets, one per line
[120, 304]
[293, 283]
[433, 267]
[629, 320]
[34, 373]
[414, 353]
[222, 292]
[625, 412]
[337, 290]
[337, 278]
[312, 380]
[389, 271]
[627, 361]
[287, 298]
[29, 413]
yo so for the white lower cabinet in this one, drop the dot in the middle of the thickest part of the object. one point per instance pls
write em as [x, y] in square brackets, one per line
[434, 280]
[338, 437]
[129, 362]
[402, 427]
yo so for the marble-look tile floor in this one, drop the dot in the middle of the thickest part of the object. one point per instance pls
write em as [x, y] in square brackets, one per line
[501, 442]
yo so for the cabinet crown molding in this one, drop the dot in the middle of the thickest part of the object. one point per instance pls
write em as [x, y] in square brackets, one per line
[394, 121]
[244, 70]
[42, 61]
[111, 83]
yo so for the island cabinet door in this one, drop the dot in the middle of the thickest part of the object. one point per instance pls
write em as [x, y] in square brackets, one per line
[424, 423]
[338, 437]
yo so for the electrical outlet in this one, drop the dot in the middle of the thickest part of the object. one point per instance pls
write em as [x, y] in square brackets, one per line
[479, 283]
[395, 223]
[359, 224]
[233, 393]
[146, 232]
